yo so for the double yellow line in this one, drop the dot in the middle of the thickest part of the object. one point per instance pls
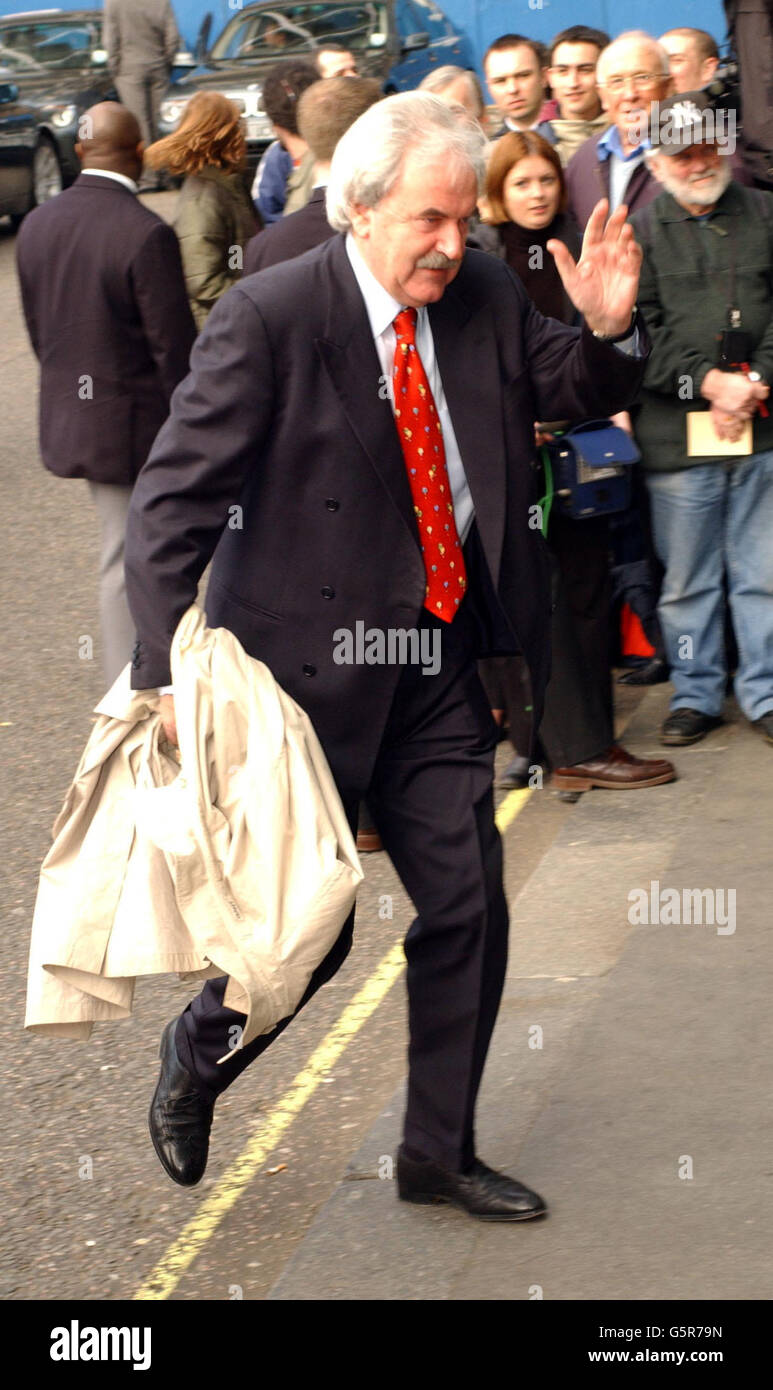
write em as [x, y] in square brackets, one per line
[163, 1280]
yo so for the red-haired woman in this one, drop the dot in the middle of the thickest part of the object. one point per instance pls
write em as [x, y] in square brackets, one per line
[526, 206]
[214, 218]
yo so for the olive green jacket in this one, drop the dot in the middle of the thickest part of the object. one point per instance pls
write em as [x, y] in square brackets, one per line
[214, 220]
[684, 294]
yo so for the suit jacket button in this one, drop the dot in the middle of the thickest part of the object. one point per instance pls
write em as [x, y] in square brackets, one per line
[327, 592]
[331, 504]
[308, 669]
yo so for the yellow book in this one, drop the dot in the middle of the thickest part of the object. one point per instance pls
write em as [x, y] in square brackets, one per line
[703, 440]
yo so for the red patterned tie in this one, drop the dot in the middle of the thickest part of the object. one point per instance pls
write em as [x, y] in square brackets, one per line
[421, 438]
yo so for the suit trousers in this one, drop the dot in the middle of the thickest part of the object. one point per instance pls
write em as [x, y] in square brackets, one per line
[143, 93]
[116, 622]
[431, 798]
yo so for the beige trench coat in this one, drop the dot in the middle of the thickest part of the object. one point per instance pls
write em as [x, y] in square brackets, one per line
[237, 861]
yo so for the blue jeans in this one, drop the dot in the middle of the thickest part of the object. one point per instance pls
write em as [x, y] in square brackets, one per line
[709, 521]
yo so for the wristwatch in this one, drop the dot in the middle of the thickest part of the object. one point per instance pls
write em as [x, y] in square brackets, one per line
[617, 337]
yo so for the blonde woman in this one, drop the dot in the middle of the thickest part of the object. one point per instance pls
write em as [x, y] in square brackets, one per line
[214, 218]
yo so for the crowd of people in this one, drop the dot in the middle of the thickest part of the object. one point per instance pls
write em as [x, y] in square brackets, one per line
[570, 123]
[602, 160]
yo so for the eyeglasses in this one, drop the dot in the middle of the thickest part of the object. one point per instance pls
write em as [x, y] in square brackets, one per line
[641, 81]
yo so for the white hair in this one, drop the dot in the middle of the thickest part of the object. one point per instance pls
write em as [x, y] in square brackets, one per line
[442, 78]
[640, 36]
[369, 156]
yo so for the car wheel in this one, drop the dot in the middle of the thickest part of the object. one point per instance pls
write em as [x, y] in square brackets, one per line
[46, 172]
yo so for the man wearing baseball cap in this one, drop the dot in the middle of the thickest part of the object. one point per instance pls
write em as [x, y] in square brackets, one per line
[706, 293]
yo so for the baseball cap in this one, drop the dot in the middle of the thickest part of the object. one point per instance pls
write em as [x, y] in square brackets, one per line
[681, 121]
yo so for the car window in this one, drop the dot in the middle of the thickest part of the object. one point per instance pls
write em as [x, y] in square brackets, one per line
[18, 62]
[288, 29]
[51, 45]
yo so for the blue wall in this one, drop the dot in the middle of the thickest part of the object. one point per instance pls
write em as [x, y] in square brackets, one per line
[484, 20]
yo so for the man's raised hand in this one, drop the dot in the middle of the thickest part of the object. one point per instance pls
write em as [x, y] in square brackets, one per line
[604, 282]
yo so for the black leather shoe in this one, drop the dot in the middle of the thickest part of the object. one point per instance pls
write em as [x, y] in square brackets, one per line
[687, 726]
[653, 672]
[764, 726]
[180, 1118]
[480, 1192]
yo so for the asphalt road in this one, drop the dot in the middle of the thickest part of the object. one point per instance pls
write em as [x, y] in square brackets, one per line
[68, 1234]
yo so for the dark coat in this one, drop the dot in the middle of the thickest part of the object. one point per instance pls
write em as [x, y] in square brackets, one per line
[683, 295]
[292, 235]
[213, 216]
[750, 30]
[587, 180]
[104, 298]
[282, 457]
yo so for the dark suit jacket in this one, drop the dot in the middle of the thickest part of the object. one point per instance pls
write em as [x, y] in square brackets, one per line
[281, 455]
[104, 298]
[292, 235]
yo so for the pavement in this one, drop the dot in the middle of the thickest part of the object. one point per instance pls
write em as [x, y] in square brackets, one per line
[628, 1073]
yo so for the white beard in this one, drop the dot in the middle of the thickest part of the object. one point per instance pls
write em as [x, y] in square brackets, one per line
[686, 192]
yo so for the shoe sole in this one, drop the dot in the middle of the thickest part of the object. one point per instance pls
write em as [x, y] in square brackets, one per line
[681, 740]
[431, 1199]
[586, 784]
[159, 1155]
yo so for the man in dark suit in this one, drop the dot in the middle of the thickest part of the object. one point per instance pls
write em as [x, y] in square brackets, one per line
[104, 299]
[370, 408]
[325, 112]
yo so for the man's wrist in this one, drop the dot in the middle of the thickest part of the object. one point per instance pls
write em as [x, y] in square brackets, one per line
[710, 383]
[605, 336]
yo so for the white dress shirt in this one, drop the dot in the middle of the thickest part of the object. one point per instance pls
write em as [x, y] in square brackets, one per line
[111, 174]
[382, 310]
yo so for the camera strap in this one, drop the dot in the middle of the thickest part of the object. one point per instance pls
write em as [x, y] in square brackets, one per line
[733, 311]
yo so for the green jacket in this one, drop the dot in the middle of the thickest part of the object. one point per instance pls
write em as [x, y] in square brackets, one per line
[683, 295]
[214, 216]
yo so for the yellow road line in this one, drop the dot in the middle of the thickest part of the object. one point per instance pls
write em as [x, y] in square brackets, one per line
[511, 807]
[163, 1280]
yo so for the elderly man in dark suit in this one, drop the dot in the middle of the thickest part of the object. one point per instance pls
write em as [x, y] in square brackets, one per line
[370, 408]
[104, 299]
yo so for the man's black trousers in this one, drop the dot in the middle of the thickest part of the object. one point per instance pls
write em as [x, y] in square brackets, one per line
[431, 798]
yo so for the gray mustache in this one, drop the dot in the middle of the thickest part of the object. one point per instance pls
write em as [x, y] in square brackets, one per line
[435, 260]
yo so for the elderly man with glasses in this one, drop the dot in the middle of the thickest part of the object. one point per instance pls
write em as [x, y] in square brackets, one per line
[632, 74]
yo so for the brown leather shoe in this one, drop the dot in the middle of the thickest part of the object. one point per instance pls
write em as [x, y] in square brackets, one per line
[368, 842]
[616, 769]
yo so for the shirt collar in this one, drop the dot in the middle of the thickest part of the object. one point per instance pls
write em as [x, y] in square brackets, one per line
[610, 143]
[381, 307]
[110, 174]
